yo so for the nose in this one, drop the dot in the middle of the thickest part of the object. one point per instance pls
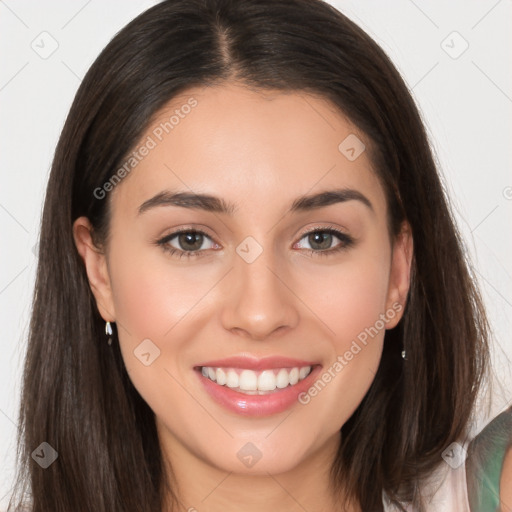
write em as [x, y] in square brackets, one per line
[259, 302]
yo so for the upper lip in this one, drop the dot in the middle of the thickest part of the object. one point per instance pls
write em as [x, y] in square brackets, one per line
[257, 364]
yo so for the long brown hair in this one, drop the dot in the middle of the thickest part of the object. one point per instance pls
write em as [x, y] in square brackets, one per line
[77, 395]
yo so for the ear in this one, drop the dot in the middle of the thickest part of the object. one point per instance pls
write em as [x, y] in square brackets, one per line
[400, 274]
[96, 267]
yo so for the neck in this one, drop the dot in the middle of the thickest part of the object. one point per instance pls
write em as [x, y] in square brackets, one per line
[202, 487]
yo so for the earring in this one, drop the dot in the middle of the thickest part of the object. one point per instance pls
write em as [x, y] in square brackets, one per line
[108, 332]
[404, 354]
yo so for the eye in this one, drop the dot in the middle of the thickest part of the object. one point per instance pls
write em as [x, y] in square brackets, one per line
[186, 243]
[320, 241]
[190, 243]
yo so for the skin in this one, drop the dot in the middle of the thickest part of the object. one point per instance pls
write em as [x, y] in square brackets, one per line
[260, 151]
[506, 483]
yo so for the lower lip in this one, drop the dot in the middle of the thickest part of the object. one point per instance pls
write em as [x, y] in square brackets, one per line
[258, 405]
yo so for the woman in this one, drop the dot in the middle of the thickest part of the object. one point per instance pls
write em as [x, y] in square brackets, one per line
[489, 466]
[251, 294]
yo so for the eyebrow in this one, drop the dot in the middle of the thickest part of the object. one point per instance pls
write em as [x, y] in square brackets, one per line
[214, 204]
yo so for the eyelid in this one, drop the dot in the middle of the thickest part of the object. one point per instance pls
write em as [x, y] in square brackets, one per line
[163, 242]
[326, 227]
[187, 229]
[345, 239]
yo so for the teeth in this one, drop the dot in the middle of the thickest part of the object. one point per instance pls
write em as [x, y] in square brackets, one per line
[252, 382]
[232, 379]
[283, 378]
[303, 372]
[221, 377]
[267, 381]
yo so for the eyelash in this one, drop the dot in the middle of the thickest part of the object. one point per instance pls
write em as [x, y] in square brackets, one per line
[346, 242]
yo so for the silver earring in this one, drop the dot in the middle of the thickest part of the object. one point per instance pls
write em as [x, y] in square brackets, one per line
[404, 354]
[108, 332]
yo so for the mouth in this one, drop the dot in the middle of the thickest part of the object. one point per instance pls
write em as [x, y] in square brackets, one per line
[257, 387]
[252, 382]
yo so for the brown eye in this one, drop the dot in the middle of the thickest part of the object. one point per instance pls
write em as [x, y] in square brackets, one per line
[321, 241]
[186, 243]
[190, 241]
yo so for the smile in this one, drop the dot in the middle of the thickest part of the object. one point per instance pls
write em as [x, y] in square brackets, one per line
[252, 382]
[251, 386]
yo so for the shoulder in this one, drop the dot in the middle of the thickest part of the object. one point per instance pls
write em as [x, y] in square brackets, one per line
[470, 480]
[486, 455]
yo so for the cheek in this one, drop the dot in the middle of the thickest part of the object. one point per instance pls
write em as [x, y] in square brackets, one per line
[351, 300]
[151, 294]
[156, 304]
[357, 305]
[349, 297]
[159, 301]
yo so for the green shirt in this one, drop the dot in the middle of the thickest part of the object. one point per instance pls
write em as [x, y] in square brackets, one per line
[484, 463]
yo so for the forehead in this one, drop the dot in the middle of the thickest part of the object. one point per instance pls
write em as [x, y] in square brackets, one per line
[253, 147]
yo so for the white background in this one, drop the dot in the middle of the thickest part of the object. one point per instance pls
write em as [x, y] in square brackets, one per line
[466, 103]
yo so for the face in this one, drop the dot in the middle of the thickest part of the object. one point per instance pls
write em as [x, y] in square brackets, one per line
[255, 332]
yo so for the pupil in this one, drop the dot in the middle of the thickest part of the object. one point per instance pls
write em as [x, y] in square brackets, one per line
[191, 239]
[323, 239]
